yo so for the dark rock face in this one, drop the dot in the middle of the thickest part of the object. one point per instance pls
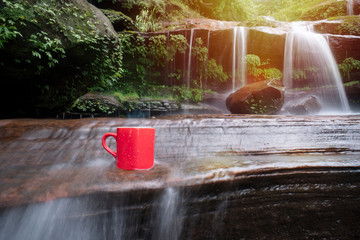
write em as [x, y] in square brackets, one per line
[309, 106]
[267, 45]
[264, 97]
[345, 47]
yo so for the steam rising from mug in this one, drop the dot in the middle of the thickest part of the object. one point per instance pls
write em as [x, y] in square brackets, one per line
[134, 147]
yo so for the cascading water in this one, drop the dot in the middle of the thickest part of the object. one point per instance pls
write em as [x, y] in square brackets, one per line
[188, 78]
[208, 47]
[310, 67]
[350, 7]
[169, 216]
[214, 178]
[238, 61]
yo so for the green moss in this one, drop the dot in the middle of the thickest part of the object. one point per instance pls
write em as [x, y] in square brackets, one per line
[120, 21]
[65, 51]
[352, 83]
[347, 66]
[294, 10]
[349, 26]
[258, 21]
[324, 10]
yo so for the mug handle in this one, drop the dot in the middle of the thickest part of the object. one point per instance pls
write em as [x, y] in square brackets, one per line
[106, 135]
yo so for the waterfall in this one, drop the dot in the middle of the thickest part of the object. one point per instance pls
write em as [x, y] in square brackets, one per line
[208, 47]
[169, 218]
[238, 61]
[350, 7]
[188, 78]
[310, 65]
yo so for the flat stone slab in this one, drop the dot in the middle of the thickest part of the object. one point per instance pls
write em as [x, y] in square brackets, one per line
[42, 160]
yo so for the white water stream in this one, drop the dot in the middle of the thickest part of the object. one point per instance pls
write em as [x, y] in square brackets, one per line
[239, 61]
[350, 7]
[310, 64]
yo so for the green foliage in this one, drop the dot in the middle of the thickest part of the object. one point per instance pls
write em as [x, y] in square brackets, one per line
[231, 10]
[272, 73]
[325, 10]
[184, 93]
[347, 66]
[258, 21]
[93, 106]
[292, 10]
[124, 97]
[44, 47]
[11, 13]
[255, 69]
[257, 106]
[119, 18]
[207, 68]
[144, 61]
[147, 21]
[352, 83]
[302, 74]
[350, 25]
[262, 105]
[59, 42]
[160, 52]
[160, 92]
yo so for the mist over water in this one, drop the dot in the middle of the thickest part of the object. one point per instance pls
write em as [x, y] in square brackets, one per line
[310, 64]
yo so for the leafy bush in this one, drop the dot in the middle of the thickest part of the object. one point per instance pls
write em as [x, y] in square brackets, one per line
[255, 69]
[207, 68]
[230, 10]
[347, 66]
[184, 93]
[294, 10]
[303, 74]
[145, 60]
[93, 106]
[147, 21]
[63, 54]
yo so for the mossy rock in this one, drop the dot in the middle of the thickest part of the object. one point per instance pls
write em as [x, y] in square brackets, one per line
[324, 10]
[62, 49]
[119, 20]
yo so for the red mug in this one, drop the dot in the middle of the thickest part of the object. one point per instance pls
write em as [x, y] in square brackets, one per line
[134, 147]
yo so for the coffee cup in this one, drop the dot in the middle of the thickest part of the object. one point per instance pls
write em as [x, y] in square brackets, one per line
[134, 147]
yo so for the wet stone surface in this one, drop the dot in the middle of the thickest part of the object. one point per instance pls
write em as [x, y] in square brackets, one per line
[215, 176]
[42, 160]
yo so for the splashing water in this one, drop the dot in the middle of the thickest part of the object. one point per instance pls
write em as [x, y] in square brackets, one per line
[310, 64]
[169, 216]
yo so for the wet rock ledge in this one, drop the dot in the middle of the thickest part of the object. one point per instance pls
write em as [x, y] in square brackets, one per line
[100, 105]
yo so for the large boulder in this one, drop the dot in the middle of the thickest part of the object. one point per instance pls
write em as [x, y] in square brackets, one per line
[55, 52]
[265, 97]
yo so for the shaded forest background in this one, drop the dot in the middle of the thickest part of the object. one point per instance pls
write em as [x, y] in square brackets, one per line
[53, 52]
